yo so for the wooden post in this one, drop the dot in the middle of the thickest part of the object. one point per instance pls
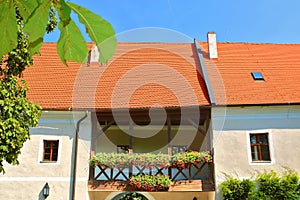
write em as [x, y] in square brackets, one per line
[169, 144]
[93, 145]
[92, 169]
[130, 145]
[130, 137]
[169, 136]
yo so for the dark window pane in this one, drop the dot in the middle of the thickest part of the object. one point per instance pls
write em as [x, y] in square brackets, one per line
[47, 144]
[253, 139]
[254, 153]
[265, 152]
[178, 149]
[47, 157]
[55, 144]
[47, 151]
[54, 157]
[263, 139]
[123, 148]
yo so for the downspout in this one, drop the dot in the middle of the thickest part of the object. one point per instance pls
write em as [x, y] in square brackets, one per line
[75, 154]
[206, 79]
[210, 94]
[205, 74]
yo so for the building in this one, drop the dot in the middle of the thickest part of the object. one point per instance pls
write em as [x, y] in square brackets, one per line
[256, 112]
[238, 100]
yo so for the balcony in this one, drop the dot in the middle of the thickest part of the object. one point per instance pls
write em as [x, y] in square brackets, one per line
[189, 171]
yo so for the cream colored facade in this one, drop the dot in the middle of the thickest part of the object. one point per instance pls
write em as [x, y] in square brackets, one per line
[229, 135]
[26, 180]
[230, 139]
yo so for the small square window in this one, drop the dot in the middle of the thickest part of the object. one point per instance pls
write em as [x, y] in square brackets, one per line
[179, 149]
[50, 153]
[260, 150]
[257, 76]
[123, 149]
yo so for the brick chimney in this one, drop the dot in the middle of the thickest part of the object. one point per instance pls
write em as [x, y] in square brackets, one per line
[94, 54]
[212, 45]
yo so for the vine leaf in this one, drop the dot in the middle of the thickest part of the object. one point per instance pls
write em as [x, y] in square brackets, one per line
[35, 25]
[71, 44]
[8, 34]
[99, 30]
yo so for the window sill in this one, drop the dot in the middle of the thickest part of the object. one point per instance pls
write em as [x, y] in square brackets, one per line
[48, 162]
[261, 162]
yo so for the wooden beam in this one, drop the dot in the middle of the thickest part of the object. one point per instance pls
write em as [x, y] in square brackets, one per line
[197, 126]
[98, 133]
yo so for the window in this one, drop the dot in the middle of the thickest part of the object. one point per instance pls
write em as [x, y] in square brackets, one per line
[50, 153]
[257, 76]
[178, 149]
[260, 150]
[123, 148]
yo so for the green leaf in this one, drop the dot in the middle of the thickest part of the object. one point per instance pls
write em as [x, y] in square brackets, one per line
[71, 44]
[35, 26]
[99, 30]
[64, 12]
[8, 33]
[35, 46]
[17, 115]
[26, 7]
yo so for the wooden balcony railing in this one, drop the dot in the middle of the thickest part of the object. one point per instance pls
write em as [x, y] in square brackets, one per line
[191, 172]
[116, 167]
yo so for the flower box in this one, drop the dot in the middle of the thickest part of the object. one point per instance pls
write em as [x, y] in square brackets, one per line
[147, 182]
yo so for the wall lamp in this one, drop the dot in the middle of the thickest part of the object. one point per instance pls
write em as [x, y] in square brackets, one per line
[46, 190]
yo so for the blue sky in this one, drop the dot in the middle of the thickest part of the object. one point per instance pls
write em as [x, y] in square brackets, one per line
[261, 21]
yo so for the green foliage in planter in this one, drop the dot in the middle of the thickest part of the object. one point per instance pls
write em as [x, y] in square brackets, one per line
[133, 196]
[235, 189]
[150, 160]
[266, 186]
[191, 157]
[111, 160]
[147, 182]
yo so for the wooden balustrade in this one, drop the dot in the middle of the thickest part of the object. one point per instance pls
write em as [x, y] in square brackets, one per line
[191, 172]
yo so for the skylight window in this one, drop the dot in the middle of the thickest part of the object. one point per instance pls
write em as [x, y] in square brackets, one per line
[257, 76]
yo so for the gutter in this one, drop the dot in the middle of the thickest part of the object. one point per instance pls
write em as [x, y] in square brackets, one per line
[205, 74]
[75, 154]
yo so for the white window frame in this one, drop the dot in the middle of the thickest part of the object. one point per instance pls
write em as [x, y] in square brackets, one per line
[41, 150]
[271, 150]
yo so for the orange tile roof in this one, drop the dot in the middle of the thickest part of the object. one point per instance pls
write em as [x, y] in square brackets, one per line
[140, 75]
[231, 78]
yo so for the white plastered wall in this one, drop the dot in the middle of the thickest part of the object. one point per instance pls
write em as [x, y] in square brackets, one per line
[26, 180]
[231, 128]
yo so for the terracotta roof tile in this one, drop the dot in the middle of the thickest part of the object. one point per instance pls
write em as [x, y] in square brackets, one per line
[140, 75]
[231, 78]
